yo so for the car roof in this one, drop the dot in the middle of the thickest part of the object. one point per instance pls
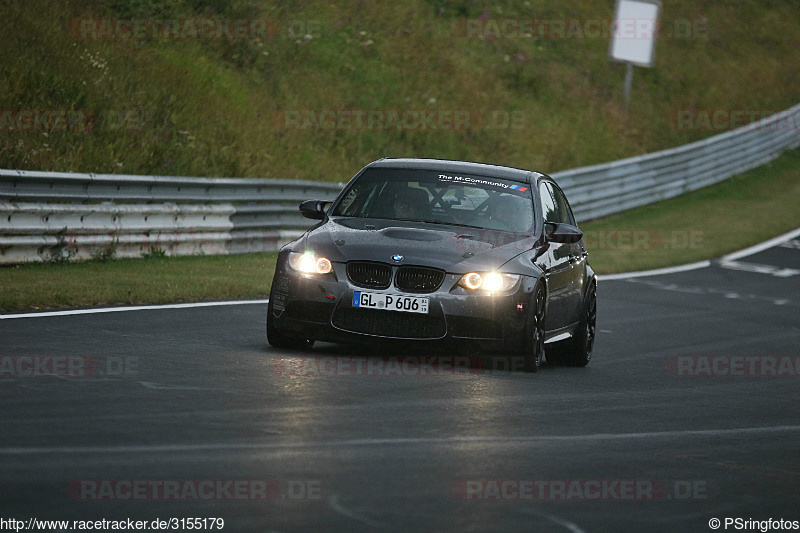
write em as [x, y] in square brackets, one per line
[465, 167]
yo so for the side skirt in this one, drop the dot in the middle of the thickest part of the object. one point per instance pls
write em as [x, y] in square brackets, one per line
[561, 334]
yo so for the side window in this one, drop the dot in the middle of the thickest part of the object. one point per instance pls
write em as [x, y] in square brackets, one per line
[548, 205]
[564, 212]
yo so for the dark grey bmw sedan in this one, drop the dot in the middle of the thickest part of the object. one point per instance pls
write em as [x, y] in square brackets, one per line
[437, 251]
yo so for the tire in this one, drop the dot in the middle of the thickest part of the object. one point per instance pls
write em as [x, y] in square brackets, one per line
[533, 350]
[282, 339]
[578, 350]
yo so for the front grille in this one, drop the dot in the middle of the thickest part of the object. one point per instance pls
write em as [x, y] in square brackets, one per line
[369, 275]
[390, 323]
[418, 279]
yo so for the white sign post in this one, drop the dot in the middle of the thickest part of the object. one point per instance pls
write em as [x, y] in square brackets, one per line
[633, 40]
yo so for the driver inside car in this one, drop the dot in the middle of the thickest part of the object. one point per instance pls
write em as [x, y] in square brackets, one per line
[409, 203]
[501, 212]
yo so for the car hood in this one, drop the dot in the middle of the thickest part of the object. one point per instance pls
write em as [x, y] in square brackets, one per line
[452, 248]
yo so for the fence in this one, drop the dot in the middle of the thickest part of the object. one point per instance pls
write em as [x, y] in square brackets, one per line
[601, 190]
[56, 216]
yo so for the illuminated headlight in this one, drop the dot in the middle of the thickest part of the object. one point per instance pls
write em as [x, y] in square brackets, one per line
[308, 263]
[488, 281]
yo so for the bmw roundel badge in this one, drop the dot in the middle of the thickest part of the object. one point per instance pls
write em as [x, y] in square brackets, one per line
[397, 258]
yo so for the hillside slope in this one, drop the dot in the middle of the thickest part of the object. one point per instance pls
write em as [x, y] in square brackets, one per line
[292, 98]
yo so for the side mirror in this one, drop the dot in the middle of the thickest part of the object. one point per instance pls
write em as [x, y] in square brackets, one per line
[563, 233]
[313, 209]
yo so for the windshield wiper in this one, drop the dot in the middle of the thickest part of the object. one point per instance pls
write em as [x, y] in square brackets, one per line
[450, 224]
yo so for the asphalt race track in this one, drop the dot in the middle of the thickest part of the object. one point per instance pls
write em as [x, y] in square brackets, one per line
[689, 411]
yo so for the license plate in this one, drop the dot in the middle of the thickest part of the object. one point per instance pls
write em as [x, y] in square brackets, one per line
[390, 302]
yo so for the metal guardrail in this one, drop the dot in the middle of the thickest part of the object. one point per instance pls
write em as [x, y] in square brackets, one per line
[608, 188]
[56, 215]
[48, 216]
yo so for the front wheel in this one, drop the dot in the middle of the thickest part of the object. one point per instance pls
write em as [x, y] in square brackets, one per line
[533, 351]
[578, 350]
[283, 339]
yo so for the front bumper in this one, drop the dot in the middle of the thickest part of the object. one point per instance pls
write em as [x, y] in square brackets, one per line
[320, 307]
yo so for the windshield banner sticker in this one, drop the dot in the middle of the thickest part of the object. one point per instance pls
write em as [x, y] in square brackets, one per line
[470, 180]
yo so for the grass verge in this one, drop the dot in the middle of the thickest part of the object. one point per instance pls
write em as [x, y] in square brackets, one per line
[708, 223]
[136, 281]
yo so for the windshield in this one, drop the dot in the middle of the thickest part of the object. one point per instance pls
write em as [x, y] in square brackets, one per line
[439, 197]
